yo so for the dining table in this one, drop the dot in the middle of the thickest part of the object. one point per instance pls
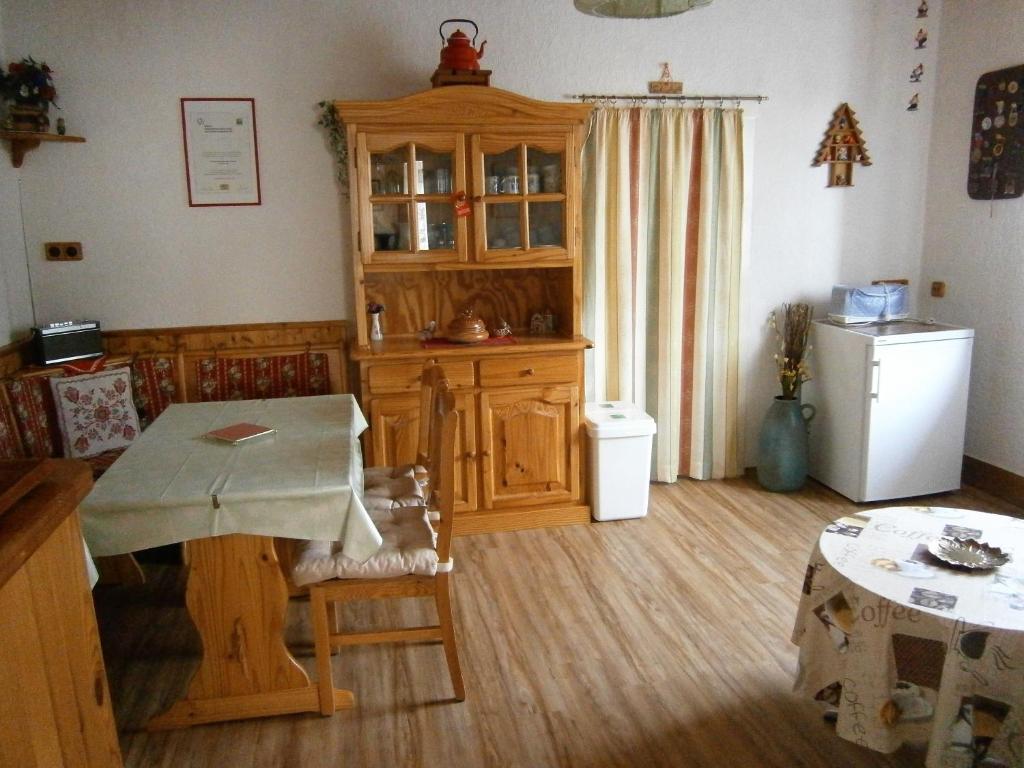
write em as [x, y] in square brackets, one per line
[227, 501]
[905, 647]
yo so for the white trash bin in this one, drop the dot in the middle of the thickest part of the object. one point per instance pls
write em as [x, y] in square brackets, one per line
[620, 436]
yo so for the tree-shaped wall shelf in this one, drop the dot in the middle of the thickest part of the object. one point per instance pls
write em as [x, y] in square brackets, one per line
[842, 146]
[25, 141]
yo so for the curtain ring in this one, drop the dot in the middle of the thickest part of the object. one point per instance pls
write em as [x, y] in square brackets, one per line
[663, 100]
[736, 104]
[721, 103]
[702, 102]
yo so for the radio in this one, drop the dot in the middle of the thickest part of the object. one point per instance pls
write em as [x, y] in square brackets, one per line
[65, 341]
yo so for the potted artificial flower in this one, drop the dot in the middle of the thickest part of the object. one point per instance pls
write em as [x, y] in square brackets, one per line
[28, 89]
[782, 444]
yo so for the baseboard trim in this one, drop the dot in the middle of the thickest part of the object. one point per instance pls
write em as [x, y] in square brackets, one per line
[995, 480]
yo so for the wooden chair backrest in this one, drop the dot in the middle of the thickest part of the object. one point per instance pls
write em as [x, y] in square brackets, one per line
[444, 428]
[433, 374]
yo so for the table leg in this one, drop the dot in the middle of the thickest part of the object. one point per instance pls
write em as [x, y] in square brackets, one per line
[238, 599]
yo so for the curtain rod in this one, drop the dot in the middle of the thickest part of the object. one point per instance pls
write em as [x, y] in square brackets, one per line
[663, 98]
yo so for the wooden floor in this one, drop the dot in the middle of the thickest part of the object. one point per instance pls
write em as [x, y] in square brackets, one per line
[653, 642]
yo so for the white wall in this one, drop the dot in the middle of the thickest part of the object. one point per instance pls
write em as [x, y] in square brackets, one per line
[152, 261]
[15, 299]
[975, 246]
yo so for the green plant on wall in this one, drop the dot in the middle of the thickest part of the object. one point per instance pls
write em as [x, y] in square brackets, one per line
[336, 136]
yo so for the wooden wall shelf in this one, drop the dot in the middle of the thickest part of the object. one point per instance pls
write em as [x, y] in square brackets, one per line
[25, 141]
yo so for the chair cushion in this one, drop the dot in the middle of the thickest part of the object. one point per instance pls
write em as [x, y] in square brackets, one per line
[10, 443]
[35, 414]
[408, 548]
[398, 490]
[95, 412]
[153, 387]
[255, 378]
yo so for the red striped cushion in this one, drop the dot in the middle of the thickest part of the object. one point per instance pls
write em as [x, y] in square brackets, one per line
[10, 443]
[36, 416]
[153, 387]
[253, 378]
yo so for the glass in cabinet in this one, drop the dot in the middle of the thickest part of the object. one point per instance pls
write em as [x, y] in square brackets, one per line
[406, 206]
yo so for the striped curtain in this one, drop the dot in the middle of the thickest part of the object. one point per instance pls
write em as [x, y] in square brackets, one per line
[662, 219]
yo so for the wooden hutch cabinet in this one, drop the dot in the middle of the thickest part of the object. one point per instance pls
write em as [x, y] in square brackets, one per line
[469, 197]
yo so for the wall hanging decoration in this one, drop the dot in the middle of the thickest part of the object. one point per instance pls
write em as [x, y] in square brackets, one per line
[996, 169]
[221, 157]
[842, 146]
[665, 83]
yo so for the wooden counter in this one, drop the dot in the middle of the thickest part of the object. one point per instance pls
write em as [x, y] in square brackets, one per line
[55, 703]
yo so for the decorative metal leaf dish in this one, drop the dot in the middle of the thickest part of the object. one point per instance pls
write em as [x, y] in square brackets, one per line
[968, 553]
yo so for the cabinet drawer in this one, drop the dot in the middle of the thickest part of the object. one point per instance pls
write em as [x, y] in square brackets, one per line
[405, 377]
[511, 371]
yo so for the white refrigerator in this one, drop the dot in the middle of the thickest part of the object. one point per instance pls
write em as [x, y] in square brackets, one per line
[891, 403]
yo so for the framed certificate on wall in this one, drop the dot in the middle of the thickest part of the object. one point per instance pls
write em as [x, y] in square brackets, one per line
[221, 156]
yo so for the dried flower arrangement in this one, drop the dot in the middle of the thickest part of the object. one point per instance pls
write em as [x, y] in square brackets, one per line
[28, 83]
[791, 360]
[374, 308]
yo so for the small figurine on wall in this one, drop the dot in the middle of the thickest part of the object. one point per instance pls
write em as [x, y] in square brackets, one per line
[921, 38]
[917, 73]
[922, 10]
[914, 101]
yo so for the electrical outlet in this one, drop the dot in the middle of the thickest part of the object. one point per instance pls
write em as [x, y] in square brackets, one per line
[938, 289]
[63, 251]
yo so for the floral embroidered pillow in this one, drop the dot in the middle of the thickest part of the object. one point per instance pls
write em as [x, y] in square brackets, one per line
[95, 412]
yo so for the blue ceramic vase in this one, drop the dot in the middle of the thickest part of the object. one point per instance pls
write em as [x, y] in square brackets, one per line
[782, 445]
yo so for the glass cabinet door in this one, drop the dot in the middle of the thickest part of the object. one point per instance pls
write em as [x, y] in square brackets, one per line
[407, 205]
[521, 201]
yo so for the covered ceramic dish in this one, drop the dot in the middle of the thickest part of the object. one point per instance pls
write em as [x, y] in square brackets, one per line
[467, 328]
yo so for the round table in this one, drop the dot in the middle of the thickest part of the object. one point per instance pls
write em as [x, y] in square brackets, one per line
[909, 649]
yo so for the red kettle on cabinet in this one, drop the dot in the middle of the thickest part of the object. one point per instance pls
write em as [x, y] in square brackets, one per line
[458, 51]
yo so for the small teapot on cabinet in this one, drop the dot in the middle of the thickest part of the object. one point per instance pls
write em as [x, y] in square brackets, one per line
[459, 53]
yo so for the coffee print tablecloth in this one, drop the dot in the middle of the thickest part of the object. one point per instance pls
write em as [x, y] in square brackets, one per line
[908, 649]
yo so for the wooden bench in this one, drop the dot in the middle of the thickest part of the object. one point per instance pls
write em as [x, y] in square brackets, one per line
[175, 365]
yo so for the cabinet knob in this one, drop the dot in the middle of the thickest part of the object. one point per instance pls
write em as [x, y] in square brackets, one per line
[528, 372]
[470, 455]
[485, 454]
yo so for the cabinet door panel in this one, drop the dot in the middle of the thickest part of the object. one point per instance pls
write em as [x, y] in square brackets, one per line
[529, 446]
[395, 425]
[394, 422]
[521, 205]
[405, 186]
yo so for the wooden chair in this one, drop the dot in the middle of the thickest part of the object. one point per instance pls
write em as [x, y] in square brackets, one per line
[413, 562]
[388, 487]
